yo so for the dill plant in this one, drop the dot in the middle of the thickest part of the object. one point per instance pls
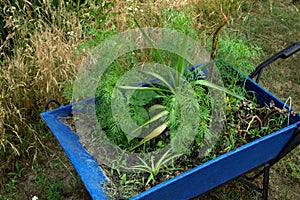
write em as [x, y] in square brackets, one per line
[162, 99]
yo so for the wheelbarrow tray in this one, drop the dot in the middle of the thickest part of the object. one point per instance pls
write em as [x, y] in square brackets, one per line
[191, 183]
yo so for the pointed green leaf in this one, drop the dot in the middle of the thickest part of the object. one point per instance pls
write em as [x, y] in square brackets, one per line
[180, 62]
[154, 118]
[156, 107]
[157, 54]
[156, 132]
[162, 80]
[217, 87]
[142, 88]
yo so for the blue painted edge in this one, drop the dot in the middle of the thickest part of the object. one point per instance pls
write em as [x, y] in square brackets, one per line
[221, 169]
[86, 166]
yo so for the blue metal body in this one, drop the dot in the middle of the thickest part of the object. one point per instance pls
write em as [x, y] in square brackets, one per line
[191, 183]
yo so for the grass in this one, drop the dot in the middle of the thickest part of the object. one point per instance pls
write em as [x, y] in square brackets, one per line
[43, 44]
[41, 60]
[280, 78]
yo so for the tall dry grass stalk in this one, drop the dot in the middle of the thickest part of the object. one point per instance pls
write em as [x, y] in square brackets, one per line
[208, 14]
[43, 60]
[147, 13]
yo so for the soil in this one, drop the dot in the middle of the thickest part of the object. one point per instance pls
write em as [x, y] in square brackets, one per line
[248, 119]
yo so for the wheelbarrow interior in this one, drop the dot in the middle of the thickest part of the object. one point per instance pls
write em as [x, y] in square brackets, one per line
[190, 183]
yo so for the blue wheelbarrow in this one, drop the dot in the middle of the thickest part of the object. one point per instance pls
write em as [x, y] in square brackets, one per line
[261, 153]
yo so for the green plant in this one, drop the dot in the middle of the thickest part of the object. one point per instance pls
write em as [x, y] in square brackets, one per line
[170, 82]
[154, 167]
[14, 178]
[55, 186]
[55, 190]
[170, 90]
[11, 185]
[180, 20]
[161, 103]
[94, 17]
[239, 54]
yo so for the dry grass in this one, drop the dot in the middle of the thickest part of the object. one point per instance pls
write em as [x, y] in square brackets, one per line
[206, 13]
[43, 60]
[148, 13]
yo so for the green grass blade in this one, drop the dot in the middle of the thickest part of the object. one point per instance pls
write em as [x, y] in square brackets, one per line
[161, 79]
[181, 59]
[166, 158]
[156, 132]
[157, 54]
[156, 107]
[142, 88]
[216, 87]
[154, 118]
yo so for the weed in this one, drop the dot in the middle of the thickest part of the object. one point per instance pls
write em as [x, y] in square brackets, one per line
[170, 84]
[180, 20]
[154, 167]
[53, 189]
[239, 54]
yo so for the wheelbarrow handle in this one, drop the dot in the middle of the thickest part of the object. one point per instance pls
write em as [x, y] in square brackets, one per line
[285, 53]
[51, 101]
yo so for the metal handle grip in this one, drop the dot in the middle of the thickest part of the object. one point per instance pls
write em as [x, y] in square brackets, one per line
[285, 53]
[290, 50]
[50, 101]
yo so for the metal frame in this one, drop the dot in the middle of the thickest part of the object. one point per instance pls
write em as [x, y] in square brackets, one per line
[248, 181]
[293, 142]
